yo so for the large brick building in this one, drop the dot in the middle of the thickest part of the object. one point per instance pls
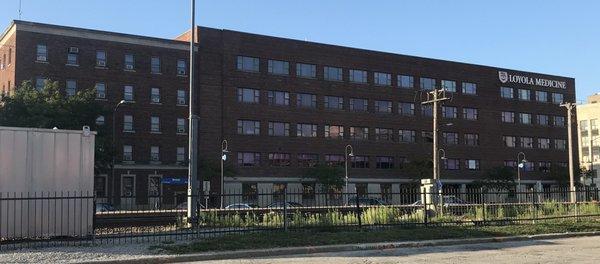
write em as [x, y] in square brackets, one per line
[284, 105]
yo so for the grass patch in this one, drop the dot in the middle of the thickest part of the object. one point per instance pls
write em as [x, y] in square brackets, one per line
[276, 239]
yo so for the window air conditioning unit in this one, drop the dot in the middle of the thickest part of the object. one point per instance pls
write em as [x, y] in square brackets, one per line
[181, 72]
[127, 157]
[101, 95]
[73, 50]
[180, 130]
[41, 58]
[129, 66]
[181, 101]
[154, 157]
[102, 63]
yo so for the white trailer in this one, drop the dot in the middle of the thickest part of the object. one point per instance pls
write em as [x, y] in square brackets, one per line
[46, 182]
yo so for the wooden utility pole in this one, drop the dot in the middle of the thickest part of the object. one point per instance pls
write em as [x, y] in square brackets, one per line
[434, 97]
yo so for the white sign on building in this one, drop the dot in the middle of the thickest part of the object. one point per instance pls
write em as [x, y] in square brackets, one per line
[506, 77]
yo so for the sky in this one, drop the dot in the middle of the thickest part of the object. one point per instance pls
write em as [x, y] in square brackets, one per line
[546, 36]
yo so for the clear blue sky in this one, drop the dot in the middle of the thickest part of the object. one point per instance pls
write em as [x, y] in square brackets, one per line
[550, 36]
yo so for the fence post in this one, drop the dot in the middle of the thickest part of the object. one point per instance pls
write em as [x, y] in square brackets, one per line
[285, 214]
[482, 205]
[424, 202]
[358, 210]
[93, 217]
[534, 205]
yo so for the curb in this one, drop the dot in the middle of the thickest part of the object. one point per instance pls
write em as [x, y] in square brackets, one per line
[339, 248]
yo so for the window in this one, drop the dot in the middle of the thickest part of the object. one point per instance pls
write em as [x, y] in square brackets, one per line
[306, 100]
[248, 95]
[449, 86]
[470, 113]
[544, 166]
[406, 136]
[128, 93]
[127, 123]
[449, 112]
[155, 124]
[308, 191]
[384, 134]
[557, 98]
[332, 73]
[386, 191]
[510, 141]
[100, 120]
[181, 67]
[359, 162]
[334, 102]
[541, 96]
[154, 153]
[71, 87]
[180, 156]
[524, 95]
[385, 162]
[41, 53]
[384, 79]
[333, 160]
[155, 95]
[181, 125]
[358, 76]
[544, 143]
[358, 105]
[542, 120]
[472, 164]
[248, 159]
[528, 166]
[248, 127]
[73, 56]
[279, 129]
[361, 189]
[279, 98]
[427, 84]
[154, 186]
[469, 88]
[508, 117]
[279, 67]
[359, 133]
[129, 62]
[506, 92]
[247, 64]
[155, 65]
[9, 57]
[510, 164]
[279, 159]
[406, 109]
[128, 186]
[249, 191]
[306, 130]
[525, 118]
[334, 132]
[526, 142]
[40, 83]
[471, 139]
[307, 160]
[450, 138]
[451, 164]
[306, 70]
[383, 106]
[100, 186]
[181, 97]
[100, 91]
[559, 121]
[560, 144]
[406, 81]
[127, 153]
[426, 110]
[100, 58]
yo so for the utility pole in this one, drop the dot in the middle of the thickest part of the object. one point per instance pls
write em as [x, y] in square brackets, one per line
[193, 122]
[434, 97]
[570, 107]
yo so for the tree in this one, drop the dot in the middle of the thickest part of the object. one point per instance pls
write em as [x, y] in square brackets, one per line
[212, 169]
[560, 174]
[50, 107]
[497, 179]
[330, 177]
[420, 168]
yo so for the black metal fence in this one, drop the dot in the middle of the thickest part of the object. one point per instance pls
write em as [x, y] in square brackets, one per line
[74, 218]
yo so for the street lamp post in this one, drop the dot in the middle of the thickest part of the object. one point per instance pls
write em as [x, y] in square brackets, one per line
[349, 151]
[114, 150]
[520, 165]
[439, 183]
[224, 152]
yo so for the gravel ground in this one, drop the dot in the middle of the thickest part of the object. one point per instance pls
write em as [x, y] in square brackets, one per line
[75, 254]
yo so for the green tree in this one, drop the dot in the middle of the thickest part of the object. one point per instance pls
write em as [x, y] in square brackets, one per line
[50, 107]
[210, 169]
[560, 174]
[419, 168]
[331, 177]
[497, 179]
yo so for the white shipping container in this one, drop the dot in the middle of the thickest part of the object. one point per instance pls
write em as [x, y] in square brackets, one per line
[46, 182]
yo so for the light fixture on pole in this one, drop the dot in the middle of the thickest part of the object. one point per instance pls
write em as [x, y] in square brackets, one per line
[193, 184]
[224, 152]
[349, 151]
[114, 151]
[520, 166]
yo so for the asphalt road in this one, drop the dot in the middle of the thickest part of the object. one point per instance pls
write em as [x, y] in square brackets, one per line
[568, 250]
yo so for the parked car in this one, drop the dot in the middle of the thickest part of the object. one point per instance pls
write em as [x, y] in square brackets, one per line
[104, 207]
[366, 201]
[449, 200]
[279, 205]
[240, 206]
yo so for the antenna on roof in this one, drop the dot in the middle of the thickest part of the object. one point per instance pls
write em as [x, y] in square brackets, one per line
[20, 9]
